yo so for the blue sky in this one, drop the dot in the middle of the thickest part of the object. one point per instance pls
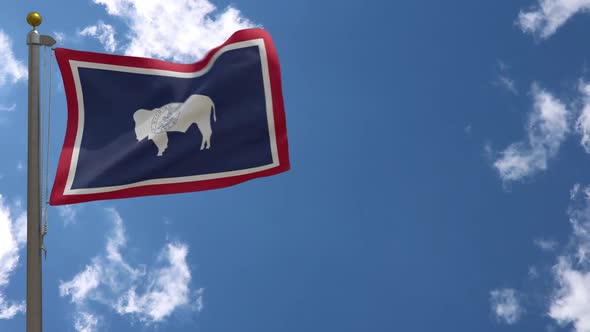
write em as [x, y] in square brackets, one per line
[438, 177]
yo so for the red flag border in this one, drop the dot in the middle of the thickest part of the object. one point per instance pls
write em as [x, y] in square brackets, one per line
[63, 56]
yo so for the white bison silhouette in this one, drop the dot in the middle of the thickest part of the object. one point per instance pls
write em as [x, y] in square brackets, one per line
[155, 124]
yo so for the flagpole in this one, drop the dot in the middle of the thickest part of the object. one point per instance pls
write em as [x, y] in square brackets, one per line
[34, 290]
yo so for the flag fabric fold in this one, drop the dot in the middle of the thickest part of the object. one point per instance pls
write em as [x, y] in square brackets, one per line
[139, 127]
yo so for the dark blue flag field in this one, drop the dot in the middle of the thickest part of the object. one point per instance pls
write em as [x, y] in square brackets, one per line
[141, 126]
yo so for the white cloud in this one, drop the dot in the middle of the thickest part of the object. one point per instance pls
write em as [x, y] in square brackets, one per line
[167, 288]
[570, 302]
[9, 310]
[20, 166]
[580, 221]
[195, 25]
[11, 70]
[85, 322]
[12, 239]
[82, 284]
[549, 15]
[148, 294]
[583, 122]
[504, 79]
[468, 129]
[547, 128]
[10, 108]
[546, 244]
[507, 83]
[569, 298]
[199, 302]
[574, 191]
[67, 213]
[108, 270]
[9, 243]
[505, 305]
[105, 34]
[59, 37]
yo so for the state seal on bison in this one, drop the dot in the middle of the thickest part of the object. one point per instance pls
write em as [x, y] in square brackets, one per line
[156, 123]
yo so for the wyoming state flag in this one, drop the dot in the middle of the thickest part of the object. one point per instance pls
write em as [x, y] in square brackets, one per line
[141, 126]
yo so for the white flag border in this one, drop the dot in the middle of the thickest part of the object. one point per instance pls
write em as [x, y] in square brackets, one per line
[76, 65]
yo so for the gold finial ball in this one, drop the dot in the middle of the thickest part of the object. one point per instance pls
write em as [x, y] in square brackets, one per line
[34, 19]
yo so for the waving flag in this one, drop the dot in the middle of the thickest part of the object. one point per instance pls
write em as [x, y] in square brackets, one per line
[141, 127]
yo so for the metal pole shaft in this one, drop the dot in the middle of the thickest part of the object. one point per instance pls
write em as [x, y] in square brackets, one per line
[34, 286]
[34, 237]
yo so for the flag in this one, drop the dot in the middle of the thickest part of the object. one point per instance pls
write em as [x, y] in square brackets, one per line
[140, 126]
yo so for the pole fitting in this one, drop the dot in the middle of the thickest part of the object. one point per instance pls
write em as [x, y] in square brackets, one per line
[34, 19]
